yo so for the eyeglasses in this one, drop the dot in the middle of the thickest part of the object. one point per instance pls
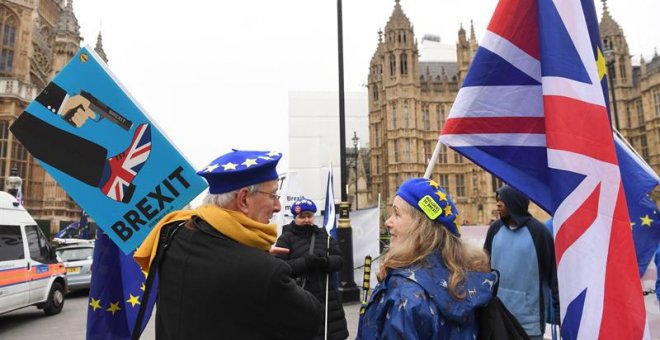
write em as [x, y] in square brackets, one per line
[273, 196]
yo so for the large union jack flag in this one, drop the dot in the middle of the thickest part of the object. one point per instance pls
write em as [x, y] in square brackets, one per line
[532, 111]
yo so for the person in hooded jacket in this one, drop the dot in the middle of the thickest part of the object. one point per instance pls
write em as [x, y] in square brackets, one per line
[430, 281]
[313, 257]
[522, 249]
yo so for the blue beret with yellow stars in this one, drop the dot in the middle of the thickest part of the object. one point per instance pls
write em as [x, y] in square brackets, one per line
[303, 204]
[428, 197]
[239, 169]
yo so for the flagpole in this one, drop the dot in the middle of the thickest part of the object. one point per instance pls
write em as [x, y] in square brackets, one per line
[434, 159]
[327, 280]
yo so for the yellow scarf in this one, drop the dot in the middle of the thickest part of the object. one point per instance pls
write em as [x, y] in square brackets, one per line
[234, 224]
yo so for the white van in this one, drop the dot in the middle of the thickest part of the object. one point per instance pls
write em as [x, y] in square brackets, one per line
[30, 273]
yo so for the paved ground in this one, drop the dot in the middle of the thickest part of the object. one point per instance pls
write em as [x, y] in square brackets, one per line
[31, 323]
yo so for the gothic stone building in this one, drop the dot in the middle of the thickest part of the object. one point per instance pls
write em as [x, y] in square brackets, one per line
[37, 38]
[409, 101]
[635, 104]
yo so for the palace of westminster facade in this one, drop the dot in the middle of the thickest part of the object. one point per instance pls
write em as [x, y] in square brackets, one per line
[409, 101]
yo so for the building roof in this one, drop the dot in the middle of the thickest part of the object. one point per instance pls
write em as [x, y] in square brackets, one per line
[653, 66]
[436, 68]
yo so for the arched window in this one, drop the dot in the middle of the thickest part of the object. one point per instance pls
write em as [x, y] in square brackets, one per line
[393, 115]
[441, 116]
[408, 152]
[404, 63]
[395, 146]
[622, 68]
[375, 91]
[392, 65]
[8, 28]
[406, 115]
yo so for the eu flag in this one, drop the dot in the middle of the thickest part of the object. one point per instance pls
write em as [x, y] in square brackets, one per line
[639, 180]
[115, 293]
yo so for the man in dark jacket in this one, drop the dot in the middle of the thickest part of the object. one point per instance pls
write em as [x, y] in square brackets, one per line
[217, 279]
[523, 251]
[313, 257]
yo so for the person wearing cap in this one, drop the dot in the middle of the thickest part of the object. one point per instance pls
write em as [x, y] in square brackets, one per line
[217, 279]
[430, 282]
[313, 256]
[520, 246]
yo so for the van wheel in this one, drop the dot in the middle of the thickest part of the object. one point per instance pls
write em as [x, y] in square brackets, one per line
[55, 300]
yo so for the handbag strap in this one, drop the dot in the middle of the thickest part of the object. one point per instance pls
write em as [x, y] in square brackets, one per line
[167, 233]
[312, 241]
[496, 285]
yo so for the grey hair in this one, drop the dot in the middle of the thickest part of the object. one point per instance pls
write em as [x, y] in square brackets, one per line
[222, 200]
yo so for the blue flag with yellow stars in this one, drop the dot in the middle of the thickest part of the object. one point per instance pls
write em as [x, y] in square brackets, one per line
[115, 294]
[638, 180]
[645, 222]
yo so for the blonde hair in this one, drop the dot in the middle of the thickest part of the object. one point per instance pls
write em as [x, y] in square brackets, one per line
[426, 236]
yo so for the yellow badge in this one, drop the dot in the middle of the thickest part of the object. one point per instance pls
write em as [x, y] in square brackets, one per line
[84, 57]
[430, 207]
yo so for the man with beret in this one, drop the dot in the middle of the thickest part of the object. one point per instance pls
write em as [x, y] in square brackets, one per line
[313, 256]
[217, 279]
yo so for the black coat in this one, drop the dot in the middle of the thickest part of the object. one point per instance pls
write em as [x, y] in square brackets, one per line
[212, 287]
[298, 239]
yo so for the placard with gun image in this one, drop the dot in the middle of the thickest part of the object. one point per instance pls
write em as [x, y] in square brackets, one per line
[126, 178]
[103, 110]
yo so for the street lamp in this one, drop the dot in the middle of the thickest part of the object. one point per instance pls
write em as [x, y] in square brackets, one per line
[347, 286]
[14, 183]
[355, 140]
[609, 60]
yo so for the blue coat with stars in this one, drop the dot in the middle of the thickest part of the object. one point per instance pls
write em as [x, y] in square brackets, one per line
[414, 303]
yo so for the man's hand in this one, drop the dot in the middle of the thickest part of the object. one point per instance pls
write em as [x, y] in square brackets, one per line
[76, 110]
[278, 250]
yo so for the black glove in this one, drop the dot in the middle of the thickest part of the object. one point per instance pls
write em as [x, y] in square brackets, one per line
[310, 261]
[321, 263]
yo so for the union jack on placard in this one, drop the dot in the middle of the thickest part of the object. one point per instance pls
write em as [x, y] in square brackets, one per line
[532, 112]
[121, 169]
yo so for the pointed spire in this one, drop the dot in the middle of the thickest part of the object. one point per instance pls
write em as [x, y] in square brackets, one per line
[397, 19]
[473, 36]
[608, 26]
[380, 35]
[68, 22]
[642, 65]
[99, 48]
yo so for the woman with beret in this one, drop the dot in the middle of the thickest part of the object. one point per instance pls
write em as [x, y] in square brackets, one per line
[430, 282]
[313, 256]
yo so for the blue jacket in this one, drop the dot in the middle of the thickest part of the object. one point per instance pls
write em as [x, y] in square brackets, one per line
[414, 303]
